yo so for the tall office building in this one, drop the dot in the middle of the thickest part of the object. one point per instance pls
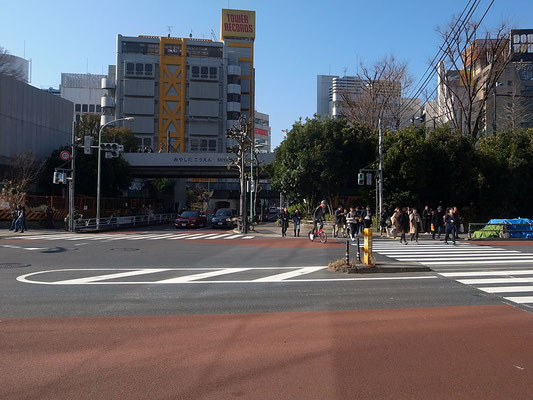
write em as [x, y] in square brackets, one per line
[262, 132]
[184, 92]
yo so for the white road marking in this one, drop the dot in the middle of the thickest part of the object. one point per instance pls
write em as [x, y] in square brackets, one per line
[219, 236]
[201, 236]
[233, 237]
[248, 237]
[465, 258]
[196, 278]
[494, 280]
[489, 273]
[517, 261]
[287, 275]
[507, 289]
[520, 299]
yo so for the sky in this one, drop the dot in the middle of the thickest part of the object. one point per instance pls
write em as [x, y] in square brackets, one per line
[295, 40]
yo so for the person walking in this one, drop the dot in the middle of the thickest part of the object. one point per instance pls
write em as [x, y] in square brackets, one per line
[449, 221]
[438, 222]
[296, 220]
[414, 224]
[383, 224]
[49, 218]
[457, 221]
[403, 221]
[338, 221]
[351, 220]
[14, 216]
[284, 219]
[367, 217]
[395, 223]
[20, 224]
[426, 219]
[359, 220]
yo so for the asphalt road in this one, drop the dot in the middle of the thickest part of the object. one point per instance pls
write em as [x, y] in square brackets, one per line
[166, 314]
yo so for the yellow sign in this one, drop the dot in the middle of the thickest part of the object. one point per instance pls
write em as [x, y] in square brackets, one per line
[368, 257]
[237, 24]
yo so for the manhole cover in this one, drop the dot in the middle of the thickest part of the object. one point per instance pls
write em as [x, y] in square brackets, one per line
[125, 249]
[13, 265]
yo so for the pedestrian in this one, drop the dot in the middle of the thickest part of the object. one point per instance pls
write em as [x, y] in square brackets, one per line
[351, 220]
[414, 224]
[284, 219]
[438, 222]
[14, 216]
[20, 224]
[338, 221]
[426, 219]
[403, 221]
[49, 218]
[457, 220]
[359, 220]
[383, 224]
[450, 225]
[296, 220]
[367, 217]
[395, 223]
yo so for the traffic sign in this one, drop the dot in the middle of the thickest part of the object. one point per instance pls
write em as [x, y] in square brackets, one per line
[64, 155]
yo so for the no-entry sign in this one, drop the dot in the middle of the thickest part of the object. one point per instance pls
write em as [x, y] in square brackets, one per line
[64, 155]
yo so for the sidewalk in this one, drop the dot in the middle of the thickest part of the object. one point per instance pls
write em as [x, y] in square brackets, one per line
[7, 232]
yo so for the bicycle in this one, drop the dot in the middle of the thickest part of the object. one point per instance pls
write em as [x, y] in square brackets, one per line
[320, 233]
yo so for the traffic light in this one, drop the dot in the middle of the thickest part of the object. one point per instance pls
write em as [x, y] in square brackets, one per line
[112, 150]
[360, 178]
[87, 143]
[59, 177]
[369, 178]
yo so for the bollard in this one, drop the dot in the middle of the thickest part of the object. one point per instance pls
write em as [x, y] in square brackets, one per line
[358, 250]
[347, 255]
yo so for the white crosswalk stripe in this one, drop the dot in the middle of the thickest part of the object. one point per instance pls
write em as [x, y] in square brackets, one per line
[110, 237]
[499, 282]
[439, 254]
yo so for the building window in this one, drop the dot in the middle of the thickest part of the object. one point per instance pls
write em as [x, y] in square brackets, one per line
[234, 80]
[91, 108]
[141, 48]
[212, 145]
[195, 71]
[204, 71]
[84, 108]
[203, 145]
[148, 69]
[129, 68]
[235, 98]
[77, 108]
[195, 144]
[98, 108]
[139, 69]
[78, 117]
[213, 71]
[233, 115]
[172, 50]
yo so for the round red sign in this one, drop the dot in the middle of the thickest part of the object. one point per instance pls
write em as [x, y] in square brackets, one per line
[64, 155]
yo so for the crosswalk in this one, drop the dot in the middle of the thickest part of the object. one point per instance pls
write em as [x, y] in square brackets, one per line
[491, 269]
[513, 285]
[103, 237]
[439, 254]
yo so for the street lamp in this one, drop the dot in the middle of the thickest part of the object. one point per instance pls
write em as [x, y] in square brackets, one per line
[99, 166]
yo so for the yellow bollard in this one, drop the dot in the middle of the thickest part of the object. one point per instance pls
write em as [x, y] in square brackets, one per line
[368, 258]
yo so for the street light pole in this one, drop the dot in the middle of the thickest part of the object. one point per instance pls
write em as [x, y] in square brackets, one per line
[98, 179]
[380, 171]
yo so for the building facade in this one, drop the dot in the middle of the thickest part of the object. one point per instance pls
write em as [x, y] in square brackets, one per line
[84, 90]
[31, 120]
[184, 93]
[262, 132]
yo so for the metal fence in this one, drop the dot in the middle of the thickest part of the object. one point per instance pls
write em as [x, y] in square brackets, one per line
[500, 231]
[110, 223]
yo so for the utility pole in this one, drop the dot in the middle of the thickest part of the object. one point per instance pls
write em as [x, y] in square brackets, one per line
[380, 171]
[71, 192]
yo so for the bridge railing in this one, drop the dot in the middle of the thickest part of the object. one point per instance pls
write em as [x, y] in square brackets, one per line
[110, 223]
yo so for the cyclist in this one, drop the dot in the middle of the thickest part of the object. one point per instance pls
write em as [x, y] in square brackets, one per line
[318, 215]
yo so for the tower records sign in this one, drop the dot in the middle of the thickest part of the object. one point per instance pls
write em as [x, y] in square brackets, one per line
[237, 24]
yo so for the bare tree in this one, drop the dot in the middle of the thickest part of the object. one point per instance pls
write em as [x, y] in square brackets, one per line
[472, 63]
[24, 170]
[7, 67]
[377, 94]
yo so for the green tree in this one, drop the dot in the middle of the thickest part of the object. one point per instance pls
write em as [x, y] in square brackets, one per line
[319, 159]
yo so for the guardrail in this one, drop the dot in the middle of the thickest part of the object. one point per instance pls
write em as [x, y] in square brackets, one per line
[109, 223]
[501, 231]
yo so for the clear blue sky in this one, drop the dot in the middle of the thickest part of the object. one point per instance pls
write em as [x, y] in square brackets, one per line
[295, 42]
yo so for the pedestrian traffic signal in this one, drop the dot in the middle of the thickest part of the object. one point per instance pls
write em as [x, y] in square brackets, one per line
[87, 143]
[360, 178]
[59, 177]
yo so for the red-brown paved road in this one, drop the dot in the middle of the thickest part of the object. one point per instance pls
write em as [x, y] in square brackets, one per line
[482, 352]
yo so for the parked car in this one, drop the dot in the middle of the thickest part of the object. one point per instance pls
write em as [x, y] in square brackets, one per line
[224, 218]
[191, 219]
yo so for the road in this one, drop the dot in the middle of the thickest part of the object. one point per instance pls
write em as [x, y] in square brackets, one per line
[210, 314]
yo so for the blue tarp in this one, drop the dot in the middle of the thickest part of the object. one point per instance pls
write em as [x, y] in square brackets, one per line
[516, 227]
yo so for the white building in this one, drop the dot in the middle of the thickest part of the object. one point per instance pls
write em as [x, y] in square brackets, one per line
[262, 132]
[84, 90]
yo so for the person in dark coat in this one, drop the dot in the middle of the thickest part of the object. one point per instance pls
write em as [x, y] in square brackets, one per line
[339, 217]
[449, 220]
[426, 219]
[403, 221]
[296, 220]
[366, 215]
[438, 222]
[14, 216]
[284, 219]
